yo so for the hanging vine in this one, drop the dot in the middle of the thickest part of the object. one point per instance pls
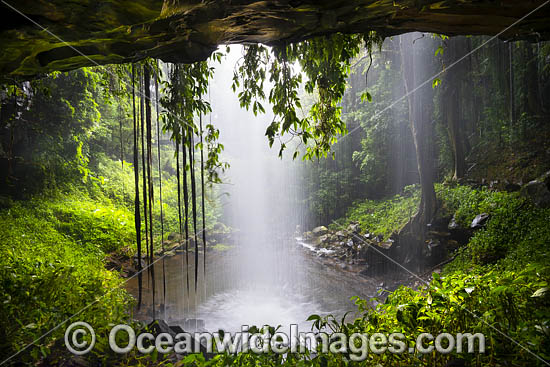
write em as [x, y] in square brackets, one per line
[137, 211]
[325, 62]
[157, 78]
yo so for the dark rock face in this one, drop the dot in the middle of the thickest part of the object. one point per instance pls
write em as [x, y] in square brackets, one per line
[105, 32]
[538, 191]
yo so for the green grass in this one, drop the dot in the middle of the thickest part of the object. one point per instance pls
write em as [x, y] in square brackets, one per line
[383, 217]
[52, 266]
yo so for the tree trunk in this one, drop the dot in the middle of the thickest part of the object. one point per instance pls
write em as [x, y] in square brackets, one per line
[455, 132]
[532, 82]
[422, 137]
[450, 104]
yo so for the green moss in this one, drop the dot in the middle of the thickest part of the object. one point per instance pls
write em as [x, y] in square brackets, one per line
[383, 217]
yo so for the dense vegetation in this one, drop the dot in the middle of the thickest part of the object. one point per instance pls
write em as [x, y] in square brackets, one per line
[499, 95]
[497, 285]
[67, 205]
[69, 195]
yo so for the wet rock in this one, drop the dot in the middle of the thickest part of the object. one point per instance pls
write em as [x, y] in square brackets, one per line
[324, 239]
[435, 251]
[511, 187]
[160, 326]
[319, 231]
[315, 241]
[113, 263]
[354, 227]
[538, 191]
[479, 221]
[340, 235]
[453, 224]
[362, 254]
[307, 235]
[452, 245]
[386, 245]
[494, 185]
[439, 233]
[349, 243]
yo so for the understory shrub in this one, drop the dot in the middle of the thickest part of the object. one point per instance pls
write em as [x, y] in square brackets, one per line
[49, 271]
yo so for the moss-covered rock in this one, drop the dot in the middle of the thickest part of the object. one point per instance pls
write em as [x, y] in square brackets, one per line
[33, 33]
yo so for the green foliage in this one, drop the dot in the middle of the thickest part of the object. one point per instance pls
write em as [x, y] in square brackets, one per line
[183, 101]
[516, 234]
[325, 62]
[116, 189]
[384, 217]
[47, 275]
[466, 202]
[250, 77]
[116, 180]
[94, 225]
[479, 302]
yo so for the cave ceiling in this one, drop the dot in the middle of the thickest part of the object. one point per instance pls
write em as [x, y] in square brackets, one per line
[43, 36]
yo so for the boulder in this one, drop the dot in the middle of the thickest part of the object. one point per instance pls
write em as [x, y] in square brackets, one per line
[319, 231]
[480, 220]
[340, 235]
[386, 245]
[538, 191]
[354, 227]
[453, 224]
[324, 238]
[511, 187]
[316, 241]
[308, 235]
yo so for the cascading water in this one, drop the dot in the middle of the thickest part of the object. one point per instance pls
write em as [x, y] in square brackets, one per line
[265, 268]
[265, 278]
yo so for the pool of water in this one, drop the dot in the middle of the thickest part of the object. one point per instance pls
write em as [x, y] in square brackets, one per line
[235, 293]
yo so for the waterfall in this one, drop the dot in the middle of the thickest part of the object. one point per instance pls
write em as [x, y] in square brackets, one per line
[262, 279]
[263, 276]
